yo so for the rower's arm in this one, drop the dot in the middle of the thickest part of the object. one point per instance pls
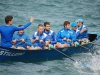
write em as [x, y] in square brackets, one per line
[28, 41]
[59, 39]
[83, 30]
[54, 41]
[25, 26]
[33, 39]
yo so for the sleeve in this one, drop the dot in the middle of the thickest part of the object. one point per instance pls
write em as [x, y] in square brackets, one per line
[54, 38]
[14, 37]
[23, 27]
[33, 37]
[77, 34]
[85, 28]
[59, 37]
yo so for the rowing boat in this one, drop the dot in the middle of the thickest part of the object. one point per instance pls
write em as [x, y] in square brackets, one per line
[9, 54]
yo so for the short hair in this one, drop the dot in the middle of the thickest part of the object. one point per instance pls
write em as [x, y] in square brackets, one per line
[45, 23]
[20, 25]
[8, 18]
[40, 25]
[66, 23]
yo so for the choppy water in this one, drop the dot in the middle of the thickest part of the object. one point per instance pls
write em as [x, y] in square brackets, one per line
[56, 12]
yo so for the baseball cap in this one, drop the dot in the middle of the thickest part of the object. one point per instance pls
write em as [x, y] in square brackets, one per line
[79, 20]
[73, 24]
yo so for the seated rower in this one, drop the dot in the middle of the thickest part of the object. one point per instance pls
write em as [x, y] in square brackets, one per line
[39, 38]
[76, 32]
[83, 36]
[21, 40]
[51, 35]
[65, 36]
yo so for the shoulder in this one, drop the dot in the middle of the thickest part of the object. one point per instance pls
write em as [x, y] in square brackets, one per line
[71, 31]
[61, 30]
[84, 26]
[26, 34]
[52, 32]
[44, 34]
[2, 26]
[35, 33]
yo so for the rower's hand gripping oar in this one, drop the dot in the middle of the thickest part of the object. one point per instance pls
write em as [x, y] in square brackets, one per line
[23, 42]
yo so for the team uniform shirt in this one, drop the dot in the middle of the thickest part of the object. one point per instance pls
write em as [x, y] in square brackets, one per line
[42, 36]
[51, 35]
[20, 43]
[7, 33]
[77, 33]
[84, 34]
[66, 33]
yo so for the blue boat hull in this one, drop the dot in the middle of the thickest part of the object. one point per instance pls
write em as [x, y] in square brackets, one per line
[8, 54]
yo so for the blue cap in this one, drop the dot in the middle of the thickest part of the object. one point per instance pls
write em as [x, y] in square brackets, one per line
[79, 20]
[73, 24]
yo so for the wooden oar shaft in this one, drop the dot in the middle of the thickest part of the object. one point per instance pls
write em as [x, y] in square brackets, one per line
[64, 55]
[94, 43]
[89, 50]
[85, 47]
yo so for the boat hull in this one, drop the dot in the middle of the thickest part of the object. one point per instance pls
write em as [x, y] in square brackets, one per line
[9, 54]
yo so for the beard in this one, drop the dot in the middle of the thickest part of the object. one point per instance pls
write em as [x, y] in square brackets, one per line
[47, 30]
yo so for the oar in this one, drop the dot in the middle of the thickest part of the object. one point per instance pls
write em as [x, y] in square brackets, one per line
[94, 43]
[84, 64]
[86, 47]
[90, 50]
[23, 42]
[64, 55]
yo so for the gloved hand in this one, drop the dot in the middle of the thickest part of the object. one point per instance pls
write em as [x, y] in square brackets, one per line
[76, 44]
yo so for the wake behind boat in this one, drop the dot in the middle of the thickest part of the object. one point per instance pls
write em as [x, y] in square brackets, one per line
[9, 54]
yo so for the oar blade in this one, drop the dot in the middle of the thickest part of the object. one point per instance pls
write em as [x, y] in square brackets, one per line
[83, 64]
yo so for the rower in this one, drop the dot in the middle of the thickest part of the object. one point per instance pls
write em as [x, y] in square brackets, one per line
[39, 38]
[50, 34]
[83, 36]
[8, 30]
[65, 36]
[76, 32]
[21, 40]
